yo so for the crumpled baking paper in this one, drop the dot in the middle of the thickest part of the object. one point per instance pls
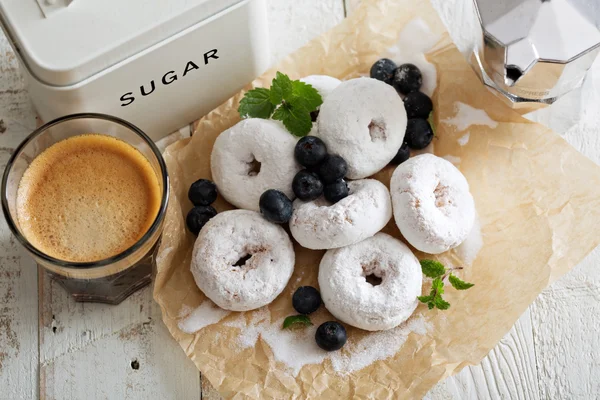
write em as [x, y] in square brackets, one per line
[538, 201]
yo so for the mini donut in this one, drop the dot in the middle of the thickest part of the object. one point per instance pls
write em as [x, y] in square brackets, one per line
[433, 207]
[348, 295]
[364, 121]
[323, 83]
[318, 224]
[251, 157]
[241, 261]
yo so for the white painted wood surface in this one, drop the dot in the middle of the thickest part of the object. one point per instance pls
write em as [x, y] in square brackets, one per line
[53, 348]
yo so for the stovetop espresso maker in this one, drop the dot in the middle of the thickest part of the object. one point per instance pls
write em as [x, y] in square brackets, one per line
[532, 52]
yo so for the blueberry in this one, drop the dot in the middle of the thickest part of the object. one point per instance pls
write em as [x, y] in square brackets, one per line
[275, 206]
[336, 191]
[306, 299]
[333, 168]
[314, 115]
[198, 217]
[307, 185]
[402, 155]
[310, 151]
[383, 70]
[407, 78]
[202, 192]
[417, 105]
[331, 336]
[418, 133]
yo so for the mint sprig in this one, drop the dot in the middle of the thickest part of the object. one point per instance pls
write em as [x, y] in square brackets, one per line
[288, 101]
[295, 321]
[437, 271]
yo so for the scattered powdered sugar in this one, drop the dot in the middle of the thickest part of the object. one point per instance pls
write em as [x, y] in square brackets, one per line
[463, 140]
[249, 331]
[466, 116]
[376, 346]
[297, 348]
[185, 311]
[206, 314]
[409, 50]
[469, 249]
[163, 255]
[294, 348]
[453, 159]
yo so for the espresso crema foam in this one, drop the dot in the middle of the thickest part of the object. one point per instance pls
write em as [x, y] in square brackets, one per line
[87, 198]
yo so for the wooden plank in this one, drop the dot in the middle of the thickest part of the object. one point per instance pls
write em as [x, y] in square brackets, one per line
[565, 317]
[18, 272]
[100, 351]
[509, 371]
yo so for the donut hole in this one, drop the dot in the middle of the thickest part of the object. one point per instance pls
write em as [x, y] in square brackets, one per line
[242, 261]
[442, 196]
[254, 167]
[373, 279]
[377, 130]
[372, 273]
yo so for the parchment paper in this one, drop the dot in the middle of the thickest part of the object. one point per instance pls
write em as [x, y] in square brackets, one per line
[538, 201]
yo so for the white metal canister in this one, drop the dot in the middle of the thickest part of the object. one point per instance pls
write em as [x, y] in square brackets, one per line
[157, 64]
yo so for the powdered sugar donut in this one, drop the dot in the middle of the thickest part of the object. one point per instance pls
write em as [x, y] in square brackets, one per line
[433, 207]
[241, 261]
[251, 157]
[364, 121]
[344, 276]
[318, 224]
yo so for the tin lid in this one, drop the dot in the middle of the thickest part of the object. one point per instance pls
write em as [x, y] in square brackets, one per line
[63, 42]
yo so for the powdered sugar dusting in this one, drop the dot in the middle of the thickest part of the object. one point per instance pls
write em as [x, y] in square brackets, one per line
[297, 348]
[463, 140]
[466, 116]
[249, 331]
[409, 50]
[376, 346]
[453, 159]
[206, 314]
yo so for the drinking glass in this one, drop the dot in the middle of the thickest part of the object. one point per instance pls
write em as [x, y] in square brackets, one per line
[113, 279]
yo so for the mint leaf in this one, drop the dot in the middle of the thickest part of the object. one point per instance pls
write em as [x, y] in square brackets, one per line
[296, 119]
[425, 299]
[256, 104]
[295, 321]
[304, 95]
[459, 284]
[430, 305]
[432, 268]
[281, 88]
[440, 303]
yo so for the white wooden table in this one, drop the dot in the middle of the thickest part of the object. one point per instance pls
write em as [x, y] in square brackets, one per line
[54, 348]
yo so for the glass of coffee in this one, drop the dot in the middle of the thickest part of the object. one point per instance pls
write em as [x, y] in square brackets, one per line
[86, 195]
